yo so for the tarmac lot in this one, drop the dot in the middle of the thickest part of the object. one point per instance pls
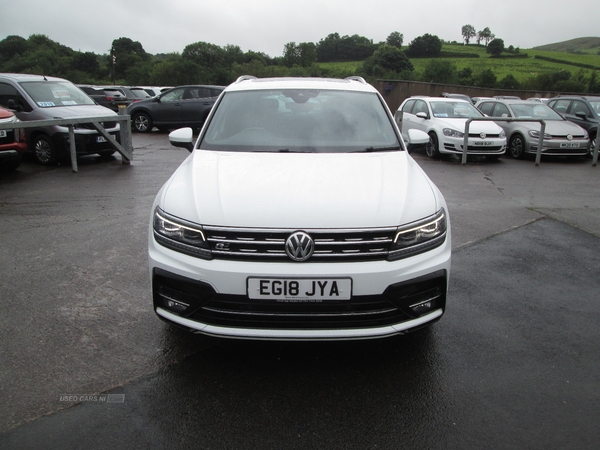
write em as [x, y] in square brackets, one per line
[512, 364]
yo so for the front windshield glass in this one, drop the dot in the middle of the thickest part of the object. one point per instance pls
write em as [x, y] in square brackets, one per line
[48, 94]
[536, 111]
[454, 110]
[300, 120]
[596, 107]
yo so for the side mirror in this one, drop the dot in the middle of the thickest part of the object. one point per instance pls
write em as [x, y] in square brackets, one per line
[422, 115]
[581, 115]
[182, 137]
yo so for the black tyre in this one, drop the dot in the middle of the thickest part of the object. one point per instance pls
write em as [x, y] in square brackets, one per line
[142, 123]
[106, 154]
[516, 147]
[43, 150]
[432, 149]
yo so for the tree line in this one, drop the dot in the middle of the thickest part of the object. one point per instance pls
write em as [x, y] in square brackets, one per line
[127, 63]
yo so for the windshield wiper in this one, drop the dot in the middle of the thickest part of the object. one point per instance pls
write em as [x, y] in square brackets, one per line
[380, 149]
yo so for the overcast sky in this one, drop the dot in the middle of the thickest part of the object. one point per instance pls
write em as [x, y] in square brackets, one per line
[267, 25]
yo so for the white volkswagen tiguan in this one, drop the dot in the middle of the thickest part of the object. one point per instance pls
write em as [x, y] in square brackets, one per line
[299, 215]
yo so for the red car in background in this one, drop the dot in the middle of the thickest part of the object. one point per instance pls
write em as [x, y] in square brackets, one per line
[12, 142]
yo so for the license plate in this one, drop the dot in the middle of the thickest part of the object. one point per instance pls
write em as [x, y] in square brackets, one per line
[100, 139]
[2, 133]
[482, 143]
[300, 289]
[570, 145]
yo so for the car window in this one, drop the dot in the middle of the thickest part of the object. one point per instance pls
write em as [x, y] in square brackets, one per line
[49, 94]
[595, 104]
[454, 110]
[420, 106]
[487, 108]
[408, 106]
[300, 120]
[501, 110]
[173, 95]
[561, 106]
[536, 111]
[580, 107]
[8, 92]
[196, 92]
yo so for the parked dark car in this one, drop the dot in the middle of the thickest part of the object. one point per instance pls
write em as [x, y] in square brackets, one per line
[584, 111]
[12, 142]
[104, 98]
[182, 106]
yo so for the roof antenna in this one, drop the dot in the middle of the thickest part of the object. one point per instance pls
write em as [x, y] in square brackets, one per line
[45, 79]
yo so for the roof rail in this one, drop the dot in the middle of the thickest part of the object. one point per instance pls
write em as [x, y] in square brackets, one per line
[245, 77]
[356, 78]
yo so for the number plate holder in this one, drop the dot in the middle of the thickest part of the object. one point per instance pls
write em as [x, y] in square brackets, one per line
[299, 289]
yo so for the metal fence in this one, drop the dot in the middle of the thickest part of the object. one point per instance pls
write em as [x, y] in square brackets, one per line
[125, 147]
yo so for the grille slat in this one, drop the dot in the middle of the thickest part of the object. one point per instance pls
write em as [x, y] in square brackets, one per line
[269, 244]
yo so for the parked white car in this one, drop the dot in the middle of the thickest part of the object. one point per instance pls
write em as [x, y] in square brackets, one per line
[444, 120]
[299, 215]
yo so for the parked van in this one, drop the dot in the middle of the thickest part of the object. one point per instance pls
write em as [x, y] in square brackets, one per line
[39, 97]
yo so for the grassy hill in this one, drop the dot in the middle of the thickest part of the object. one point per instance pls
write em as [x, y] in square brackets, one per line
[590, 45]
[538, 60]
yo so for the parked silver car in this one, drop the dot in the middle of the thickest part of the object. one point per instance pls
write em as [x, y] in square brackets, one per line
[40, 97]
[561, 137]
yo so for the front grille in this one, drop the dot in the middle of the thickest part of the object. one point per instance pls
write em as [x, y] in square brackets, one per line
[329, 245]
[204, 305]
[487, 136]
[89, 126]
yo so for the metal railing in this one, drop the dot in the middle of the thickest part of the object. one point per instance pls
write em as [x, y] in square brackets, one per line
[538, 156]
[125, 147]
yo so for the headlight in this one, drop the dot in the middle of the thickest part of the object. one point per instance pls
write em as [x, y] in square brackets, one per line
[536, 134]
[502, 134]
[180, 235]
[453, 133]
[420, 236]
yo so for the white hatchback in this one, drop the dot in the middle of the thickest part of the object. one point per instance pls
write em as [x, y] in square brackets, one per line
[299, 214]
[444, 120]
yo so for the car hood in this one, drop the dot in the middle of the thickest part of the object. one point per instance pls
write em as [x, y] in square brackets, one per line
[299, 190]
[474, 127]
[553, 127]
[67, 112]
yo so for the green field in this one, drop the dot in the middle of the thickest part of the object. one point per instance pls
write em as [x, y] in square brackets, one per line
[521, 68]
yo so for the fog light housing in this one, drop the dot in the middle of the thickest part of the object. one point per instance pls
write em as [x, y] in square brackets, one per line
[175, 305]
[424, 306]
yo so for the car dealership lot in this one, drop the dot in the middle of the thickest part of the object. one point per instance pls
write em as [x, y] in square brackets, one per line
[512, 364]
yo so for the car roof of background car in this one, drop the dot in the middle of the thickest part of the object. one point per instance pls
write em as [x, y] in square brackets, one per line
[246, 83]
[29, 77]
[446, 99]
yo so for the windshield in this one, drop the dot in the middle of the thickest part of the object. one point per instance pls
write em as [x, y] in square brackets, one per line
[536, 111]
[300, 120]
[596, 107]
[454, 110]
[48, 94]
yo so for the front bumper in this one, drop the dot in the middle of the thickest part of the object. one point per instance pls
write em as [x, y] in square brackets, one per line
[490, 146]
[560, 147]
[210, 297]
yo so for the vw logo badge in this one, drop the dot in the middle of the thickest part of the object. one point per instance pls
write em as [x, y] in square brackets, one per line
[482, 135]
[569, 137]
[299, 246]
